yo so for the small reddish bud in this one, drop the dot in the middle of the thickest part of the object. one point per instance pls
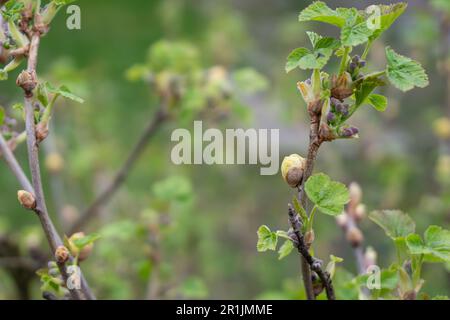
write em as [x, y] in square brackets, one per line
[61, 254]
[27, 81]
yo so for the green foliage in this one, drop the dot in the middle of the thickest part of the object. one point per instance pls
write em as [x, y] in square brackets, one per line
[395, 223]
[285, 249]
[405, 73]
[267, 240]
[250, 81]
[378, 101]
[329, 196]
[80, 243]
[62, 91]
[435, 246]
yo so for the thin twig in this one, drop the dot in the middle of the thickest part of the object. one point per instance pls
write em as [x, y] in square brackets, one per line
[14, 166]
[314, 110]
[302, 247]
[106, 195]
[53, 237]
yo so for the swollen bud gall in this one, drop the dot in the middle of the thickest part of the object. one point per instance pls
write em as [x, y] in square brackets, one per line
[292, 169]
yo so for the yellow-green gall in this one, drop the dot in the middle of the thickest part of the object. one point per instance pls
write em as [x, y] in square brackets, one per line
[292, 169]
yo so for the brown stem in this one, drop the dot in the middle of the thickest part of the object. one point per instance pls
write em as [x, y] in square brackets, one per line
[314, 144]
[53, 237]
[14, 166]
[302, 247]
[123, 173]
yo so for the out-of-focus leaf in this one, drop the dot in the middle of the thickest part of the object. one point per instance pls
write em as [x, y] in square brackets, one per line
[285, 249]
[395, 223]
[250, 81]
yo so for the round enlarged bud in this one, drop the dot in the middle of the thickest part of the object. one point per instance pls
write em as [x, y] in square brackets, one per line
[85, 252]
[26, 199]
[441, 128]
[61, 254]
[27, 80]
[41, 131]
[309, 237]
[54, 162]
[354, 236]
[292, 169]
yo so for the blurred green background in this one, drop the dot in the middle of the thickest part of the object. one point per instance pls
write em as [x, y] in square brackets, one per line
[207, 246]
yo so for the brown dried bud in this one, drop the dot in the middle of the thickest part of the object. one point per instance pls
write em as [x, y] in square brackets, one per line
[27, 80]
[61, 254]
[41, 131]
[26, 199]
[354, 236]
[309, 237]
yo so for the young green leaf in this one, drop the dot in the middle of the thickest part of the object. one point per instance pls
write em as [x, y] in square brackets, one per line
[329, 196]
[319, 11]
[435, 246]
[405, 73]
[395, 223]
[267, 240]
[365, 87]
[353, 35]
[285, 249]
[331, 266]
[378, 101]
[87, 240]
[63, 91]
